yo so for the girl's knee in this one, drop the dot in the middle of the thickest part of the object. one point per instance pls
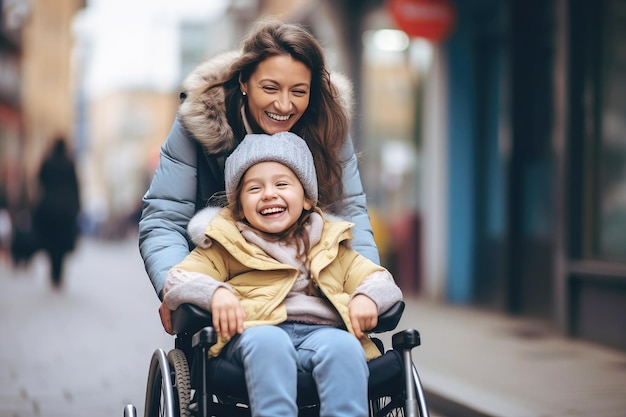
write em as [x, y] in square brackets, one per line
[265, 333]
[344, 347]
[347, 342]
[268, 341]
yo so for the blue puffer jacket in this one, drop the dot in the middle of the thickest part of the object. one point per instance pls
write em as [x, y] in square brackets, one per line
[191, 166]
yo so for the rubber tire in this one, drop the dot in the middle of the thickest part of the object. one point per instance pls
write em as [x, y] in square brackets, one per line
[179, 370]
[181, 380]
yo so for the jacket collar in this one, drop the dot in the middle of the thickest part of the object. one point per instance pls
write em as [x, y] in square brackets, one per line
[219, 218]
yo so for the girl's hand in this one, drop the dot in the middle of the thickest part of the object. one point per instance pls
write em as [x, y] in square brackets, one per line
[228, 315]
[363, 314]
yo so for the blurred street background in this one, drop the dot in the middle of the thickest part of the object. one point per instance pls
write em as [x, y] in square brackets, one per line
[492, 144]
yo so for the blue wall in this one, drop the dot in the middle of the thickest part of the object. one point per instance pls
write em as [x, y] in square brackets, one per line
[461, 163]
[476, 171]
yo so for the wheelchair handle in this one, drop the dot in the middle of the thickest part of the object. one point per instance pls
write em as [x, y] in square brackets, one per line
[189, 318]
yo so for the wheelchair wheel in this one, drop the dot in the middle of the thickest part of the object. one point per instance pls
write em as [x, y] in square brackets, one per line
[169, 389]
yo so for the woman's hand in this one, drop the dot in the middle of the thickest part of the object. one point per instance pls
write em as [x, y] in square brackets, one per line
[363, 314]
[228, 315]
[166, 317]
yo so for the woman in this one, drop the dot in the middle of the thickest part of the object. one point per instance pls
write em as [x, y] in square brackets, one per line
[278, 82]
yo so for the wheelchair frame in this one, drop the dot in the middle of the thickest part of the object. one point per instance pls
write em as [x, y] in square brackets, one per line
[170, 384]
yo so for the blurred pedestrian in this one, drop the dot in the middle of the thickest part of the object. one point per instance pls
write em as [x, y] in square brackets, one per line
[56, 214]
[6, 227]
[24, 240]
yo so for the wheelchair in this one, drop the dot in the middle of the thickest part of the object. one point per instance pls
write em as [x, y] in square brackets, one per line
[186, 382]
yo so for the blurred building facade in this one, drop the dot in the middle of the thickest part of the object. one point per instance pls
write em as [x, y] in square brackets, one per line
[36, 89]
[494, 160]
[11, 109]
[536, 122]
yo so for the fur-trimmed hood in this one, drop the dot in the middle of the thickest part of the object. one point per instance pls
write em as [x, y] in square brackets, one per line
[203, 113]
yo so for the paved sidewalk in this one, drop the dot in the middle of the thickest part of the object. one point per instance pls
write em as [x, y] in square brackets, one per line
[478, 363]
[82, 351]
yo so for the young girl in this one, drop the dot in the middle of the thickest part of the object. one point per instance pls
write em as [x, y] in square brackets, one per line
[286, 290]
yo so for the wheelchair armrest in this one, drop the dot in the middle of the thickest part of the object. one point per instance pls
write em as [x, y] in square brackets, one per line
[389, 319]
[189, 318]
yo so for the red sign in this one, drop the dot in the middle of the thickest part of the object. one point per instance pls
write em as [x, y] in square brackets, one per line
[430, 19]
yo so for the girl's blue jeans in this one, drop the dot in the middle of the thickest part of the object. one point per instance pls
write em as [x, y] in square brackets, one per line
[271, 357]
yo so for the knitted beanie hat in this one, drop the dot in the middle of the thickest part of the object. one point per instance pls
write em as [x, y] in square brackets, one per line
[286, 148]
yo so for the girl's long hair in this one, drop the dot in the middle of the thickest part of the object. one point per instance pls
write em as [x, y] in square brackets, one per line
[324, 125]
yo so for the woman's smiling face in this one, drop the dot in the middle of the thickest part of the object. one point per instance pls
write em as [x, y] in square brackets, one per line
[278, 93]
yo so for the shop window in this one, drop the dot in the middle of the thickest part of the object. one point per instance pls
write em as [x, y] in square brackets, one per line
[608, 198]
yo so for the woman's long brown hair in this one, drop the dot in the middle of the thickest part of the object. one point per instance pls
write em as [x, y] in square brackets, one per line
[324, 125]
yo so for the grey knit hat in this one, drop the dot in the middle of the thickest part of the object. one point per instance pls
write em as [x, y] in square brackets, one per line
[285, 147]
